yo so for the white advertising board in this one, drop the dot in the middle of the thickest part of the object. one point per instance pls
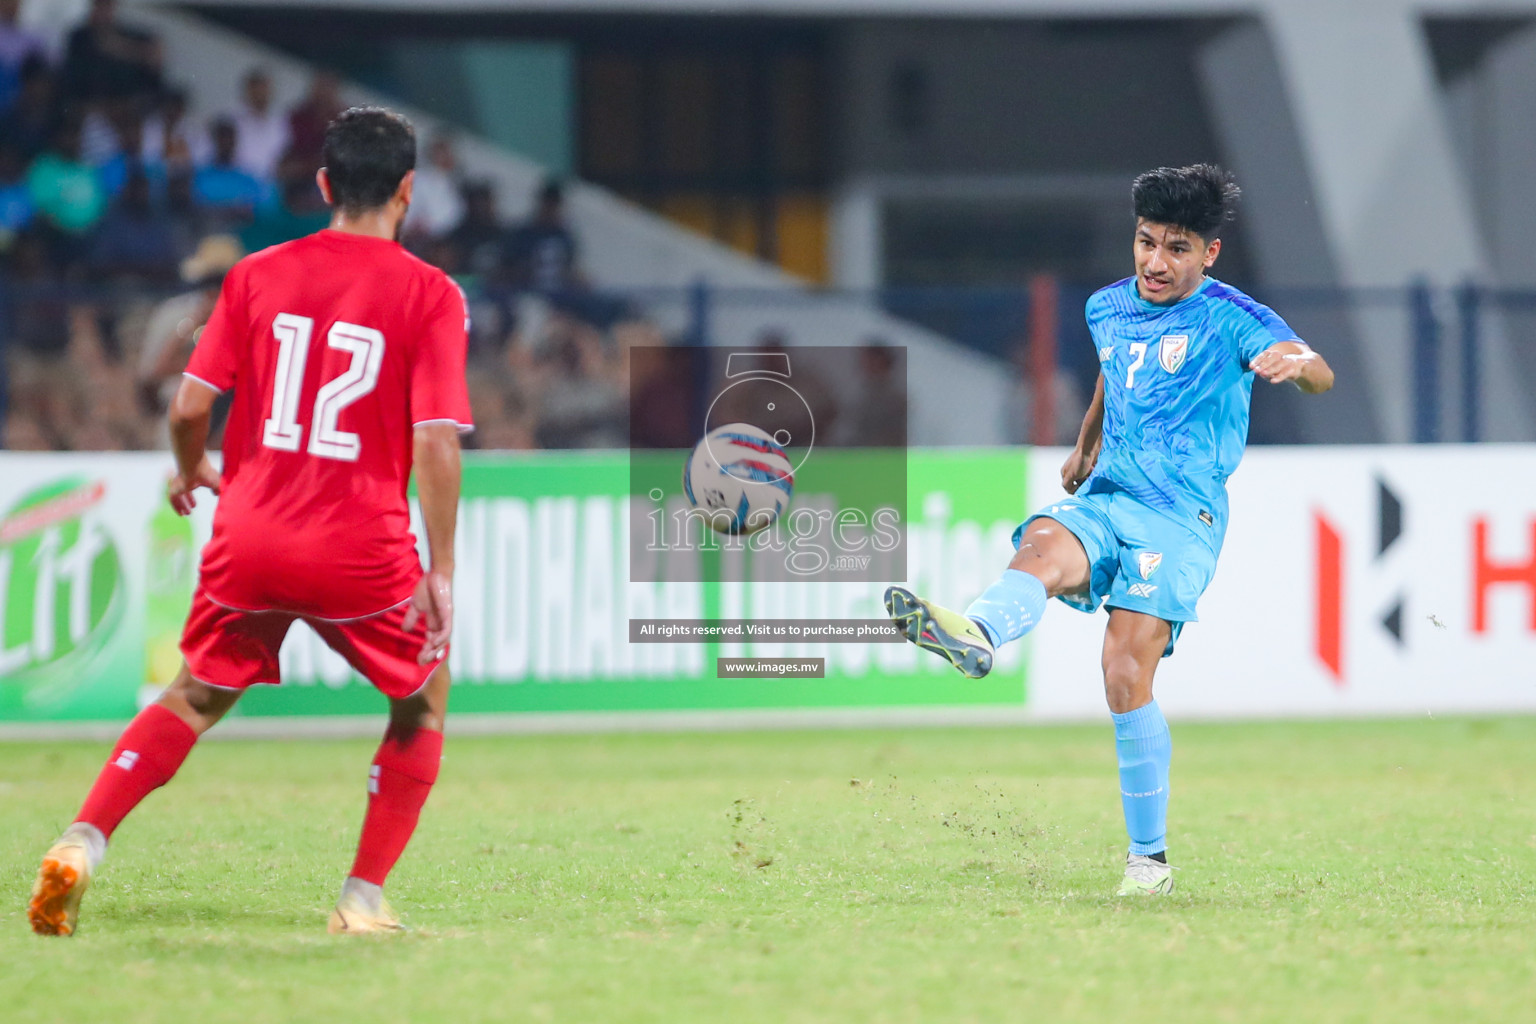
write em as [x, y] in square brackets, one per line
[1354, 580]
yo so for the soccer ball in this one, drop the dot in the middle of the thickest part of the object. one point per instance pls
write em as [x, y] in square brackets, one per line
[740, 478]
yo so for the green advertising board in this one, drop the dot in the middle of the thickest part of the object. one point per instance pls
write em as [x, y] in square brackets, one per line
[95, 579]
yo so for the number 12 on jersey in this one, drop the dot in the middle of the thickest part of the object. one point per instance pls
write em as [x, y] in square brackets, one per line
[327, 440]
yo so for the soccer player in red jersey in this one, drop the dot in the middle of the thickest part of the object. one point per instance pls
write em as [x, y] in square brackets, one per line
[346, 356]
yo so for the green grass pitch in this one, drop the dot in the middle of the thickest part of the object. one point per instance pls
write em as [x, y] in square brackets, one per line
[1342, 871]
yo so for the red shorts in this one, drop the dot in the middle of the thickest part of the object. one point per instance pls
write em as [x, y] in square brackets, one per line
[236, 649]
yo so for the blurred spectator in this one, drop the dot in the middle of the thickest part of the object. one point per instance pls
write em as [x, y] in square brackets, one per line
[104, 59]
[106, 416]
[662, 384]
[24, 434]
[579, 405]
[16, 209]
[231, 194]
[877, 417]
[173, 137]
[30, 122]
[261, 129]
[172, 328]
[540, 258]
[65, 190]
[541, 252]
[98, 134]
[437, 197]
[186, 220]
[129, 159]
[17, 46]
[307, 122]
[37, 330]
[504, 420]
[476, 243]
[293, 217]
[132, 241]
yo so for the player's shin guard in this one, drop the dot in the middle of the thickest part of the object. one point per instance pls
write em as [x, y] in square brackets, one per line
[398, 783]
[1010, 607]
[1145, 750]
[149, 752]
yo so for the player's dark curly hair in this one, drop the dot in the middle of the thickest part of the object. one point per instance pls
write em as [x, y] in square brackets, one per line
[367, 151]
[1199, 198]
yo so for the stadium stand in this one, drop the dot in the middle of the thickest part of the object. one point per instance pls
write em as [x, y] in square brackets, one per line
[116, 178]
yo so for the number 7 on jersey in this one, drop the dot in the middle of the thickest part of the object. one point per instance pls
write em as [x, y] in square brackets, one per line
[327, 440]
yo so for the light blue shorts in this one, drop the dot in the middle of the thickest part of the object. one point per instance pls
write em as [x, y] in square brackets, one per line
[1139, 560]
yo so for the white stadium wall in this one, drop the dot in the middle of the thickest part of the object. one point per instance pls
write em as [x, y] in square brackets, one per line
[1355, 581]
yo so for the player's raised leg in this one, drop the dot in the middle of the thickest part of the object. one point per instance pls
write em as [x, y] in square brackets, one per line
[1050, 561]
[1133, 645]
[399, 781]
[147, 755]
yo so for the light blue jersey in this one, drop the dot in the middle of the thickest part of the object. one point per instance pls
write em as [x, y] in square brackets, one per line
[1176, 391]
[1153, 515]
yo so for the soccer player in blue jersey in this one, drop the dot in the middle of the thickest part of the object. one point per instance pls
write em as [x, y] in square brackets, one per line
[1140, 533]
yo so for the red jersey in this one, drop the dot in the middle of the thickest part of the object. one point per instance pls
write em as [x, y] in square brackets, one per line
[337, 345]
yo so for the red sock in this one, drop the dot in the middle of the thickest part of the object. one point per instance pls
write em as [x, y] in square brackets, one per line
[150, 750]
[398, 783]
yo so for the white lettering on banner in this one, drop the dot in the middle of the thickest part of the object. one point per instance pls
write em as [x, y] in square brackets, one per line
[554, 561]
[466, 653]
[77, 564]
[595, 653]
[543, 593]
[509, 598]
[848, 602]
[733, 596]
[47, 589]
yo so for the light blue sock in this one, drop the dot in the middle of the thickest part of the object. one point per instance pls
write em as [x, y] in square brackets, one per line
[1145, 749]
[1010, 607]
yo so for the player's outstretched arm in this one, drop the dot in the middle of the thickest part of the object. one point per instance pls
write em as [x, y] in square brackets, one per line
[190, 415]
[1086, 455]
[1294, 361]
[436, 458]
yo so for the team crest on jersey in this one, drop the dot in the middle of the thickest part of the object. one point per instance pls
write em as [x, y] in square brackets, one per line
[1172, 351]
[1147, 562]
